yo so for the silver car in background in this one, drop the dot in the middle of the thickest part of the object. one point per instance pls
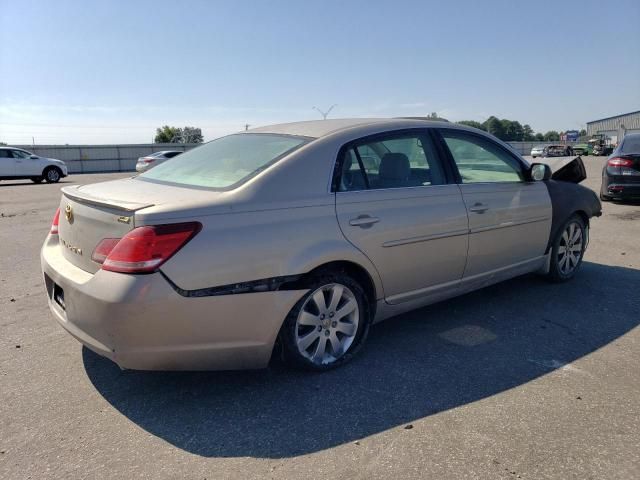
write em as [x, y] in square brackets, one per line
[150, 161]
[300, 237]
[537, 151]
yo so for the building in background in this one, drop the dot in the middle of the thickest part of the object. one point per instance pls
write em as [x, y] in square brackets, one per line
[615, 127]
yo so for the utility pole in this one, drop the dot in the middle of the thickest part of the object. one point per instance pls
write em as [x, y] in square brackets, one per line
[324, 114]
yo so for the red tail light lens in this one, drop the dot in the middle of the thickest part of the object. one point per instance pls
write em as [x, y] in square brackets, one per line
[620, 162]
[55, 222]
[104, 248]
[144, 249]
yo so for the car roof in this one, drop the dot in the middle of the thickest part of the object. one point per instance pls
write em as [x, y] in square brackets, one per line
[323, 128]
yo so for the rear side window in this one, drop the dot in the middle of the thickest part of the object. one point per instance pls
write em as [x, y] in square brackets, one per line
[226, 162]
[396, 161]
[630, 144]
[5, 154]
[480, 160]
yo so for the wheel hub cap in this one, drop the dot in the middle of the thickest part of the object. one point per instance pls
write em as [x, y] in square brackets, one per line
[570, 248]
[327, 323]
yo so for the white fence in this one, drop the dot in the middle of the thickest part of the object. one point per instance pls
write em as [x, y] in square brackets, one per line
[122, 158]
[102, 158]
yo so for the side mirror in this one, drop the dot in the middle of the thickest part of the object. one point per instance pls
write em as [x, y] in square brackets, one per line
[34, 157]
[539, 172]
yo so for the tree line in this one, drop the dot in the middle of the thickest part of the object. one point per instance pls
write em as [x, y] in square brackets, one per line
[514, 131]
[504, 129]
[167, 134]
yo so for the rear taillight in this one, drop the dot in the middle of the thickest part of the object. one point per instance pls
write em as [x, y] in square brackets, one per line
[55, 222]
[144, 249]
[620, 162]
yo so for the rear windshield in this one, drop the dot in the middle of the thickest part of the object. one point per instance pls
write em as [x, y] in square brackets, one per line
[631, 144]
[225, 162]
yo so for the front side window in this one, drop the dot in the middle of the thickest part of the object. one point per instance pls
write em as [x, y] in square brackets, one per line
[479, 160]
[20, 154]
[226, 162]
[407, 160]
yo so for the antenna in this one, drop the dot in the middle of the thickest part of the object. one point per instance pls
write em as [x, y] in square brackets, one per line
[324, 114]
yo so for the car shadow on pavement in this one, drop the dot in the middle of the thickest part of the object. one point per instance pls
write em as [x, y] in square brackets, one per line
[418, 364]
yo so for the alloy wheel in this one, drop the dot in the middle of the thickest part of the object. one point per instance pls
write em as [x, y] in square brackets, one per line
[327, 324]
[53, 175]
[570, 248]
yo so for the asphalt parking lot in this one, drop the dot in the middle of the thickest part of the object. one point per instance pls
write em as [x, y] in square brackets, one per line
[520, 380]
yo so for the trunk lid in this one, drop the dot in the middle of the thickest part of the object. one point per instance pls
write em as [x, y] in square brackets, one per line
[626, 174]
[111, 209]
[85, 220]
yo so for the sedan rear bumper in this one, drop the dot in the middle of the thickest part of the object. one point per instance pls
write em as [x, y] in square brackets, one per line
[623, 190]
[140, 322]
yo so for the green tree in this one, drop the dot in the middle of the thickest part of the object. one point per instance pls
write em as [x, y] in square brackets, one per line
[192, 135]
[493, 125]
[512, 130]
[539, 137]
[472, 123]
[551, 136]
[527, 133]
[168, 134]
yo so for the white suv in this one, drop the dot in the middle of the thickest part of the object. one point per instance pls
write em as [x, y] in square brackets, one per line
[16, 163]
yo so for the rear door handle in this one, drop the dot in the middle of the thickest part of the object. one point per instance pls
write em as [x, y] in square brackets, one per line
[363, 221]
[479, 208]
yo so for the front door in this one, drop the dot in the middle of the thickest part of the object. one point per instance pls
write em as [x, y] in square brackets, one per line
[25, 165]
[509, 216]
[395, 204]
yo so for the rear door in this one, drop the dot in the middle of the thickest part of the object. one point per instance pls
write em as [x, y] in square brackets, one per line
[395, 203]
[7, 163]
[509, 216]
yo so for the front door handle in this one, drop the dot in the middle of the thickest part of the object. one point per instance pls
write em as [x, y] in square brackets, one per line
[363, 221]
[479, 208]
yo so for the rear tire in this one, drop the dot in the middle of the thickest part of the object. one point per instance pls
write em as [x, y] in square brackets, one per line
[568, 250]
[52, 174]
[328, 325]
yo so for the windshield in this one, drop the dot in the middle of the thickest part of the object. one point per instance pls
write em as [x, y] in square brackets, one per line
[225, 162]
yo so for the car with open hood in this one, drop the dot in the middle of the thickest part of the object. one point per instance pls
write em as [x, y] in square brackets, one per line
[299, 237]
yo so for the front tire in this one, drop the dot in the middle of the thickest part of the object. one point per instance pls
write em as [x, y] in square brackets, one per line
[568, 250]
[328, 325]
[52, 174]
